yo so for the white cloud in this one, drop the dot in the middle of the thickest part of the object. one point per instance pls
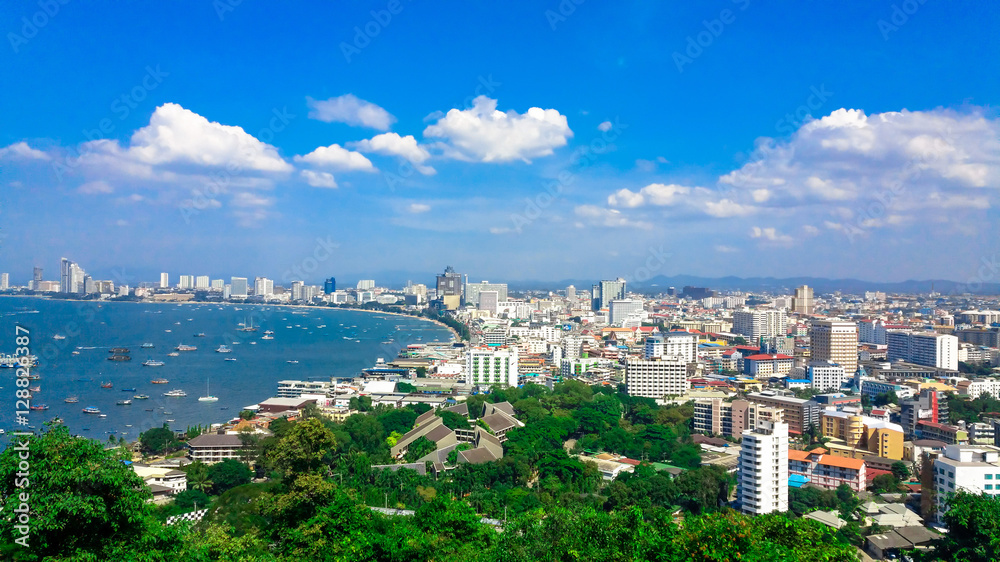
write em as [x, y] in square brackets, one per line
[319, 179]
[657, 194]
[770, 234]
[394, 145]
[21, 150]
[121, 222]
[247, 199]
[351, 110]
[810, 230]
[484, 134]
[338, 158]
[599, 216]
[605, 126]
[178, 136]
[95, 187]
[417, 208]
[724, 208]
[725, 249]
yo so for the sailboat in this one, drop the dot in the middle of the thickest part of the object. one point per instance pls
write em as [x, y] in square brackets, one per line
[247, 327]
[208, 397]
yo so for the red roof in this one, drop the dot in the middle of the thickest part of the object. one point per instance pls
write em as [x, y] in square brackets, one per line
[767, 357]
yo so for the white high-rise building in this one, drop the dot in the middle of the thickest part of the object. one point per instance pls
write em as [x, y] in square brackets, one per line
[923, 348]
[682, 345]
[263, 287]
[4, 281]
[973, 468]
[238, 287]
[201, 282]
[164, 280]
[762, 472]
[571, 293]
[218, 285]
[71, 277]
[619, 310]
[656, 378]
[756, 324]
[472, 291]
[186, 282]
[366, 284]
[488, 301]
[297, 290]
[492, 366]
[572, 347]
[827, 375]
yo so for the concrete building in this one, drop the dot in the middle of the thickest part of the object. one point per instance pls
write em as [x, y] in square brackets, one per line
[923, 348]
[473, 291]
[211, 448]
[798, 414]
[656, 378]
[607, 291]
[366, 284]
[492, 366]
[620, 310]
[930, 406]
[837, 341]
[762, 472]
[263, 287]
[762, 365]
[718, 417]
[826, 375]
[861, 435]
[164, 280]
[802, 302]
[827, 471]
[757, 324]
[683, 345]
[990, 337]
[973, 468]
[238, 287]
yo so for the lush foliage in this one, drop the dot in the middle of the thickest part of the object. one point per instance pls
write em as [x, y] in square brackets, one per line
[973, 530]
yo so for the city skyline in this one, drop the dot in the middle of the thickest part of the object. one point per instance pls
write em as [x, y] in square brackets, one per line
[589, 145]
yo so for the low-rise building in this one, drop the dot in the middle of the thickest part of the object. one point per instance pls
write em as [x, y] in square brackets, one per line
[827, 471]
[211, 448]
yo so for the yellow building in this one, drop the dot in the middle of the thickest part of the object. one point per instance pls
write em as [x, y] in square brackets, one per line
[861, 435]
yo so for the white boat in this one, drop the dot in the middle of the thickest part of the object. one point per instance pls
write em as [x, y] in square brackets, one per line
[152, 363]
[58, 337]
[223, 349]
[175, 393]
[230, 359]
[292, 361]
[183, 347]
[208, 394]
[173, 354]
[267, 337]
[146, 345]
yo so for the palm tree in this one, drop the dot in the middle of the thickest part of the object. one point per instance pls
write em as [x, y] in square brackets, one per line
[197, 477]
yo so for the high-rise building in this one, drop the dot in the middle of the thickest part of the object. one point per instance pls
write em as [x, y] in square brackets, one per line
[656, 378]
[607, 291]
[218, 285]
[923, 348]
[929, 406]
[488, 300]
[680, 345]
[297, 290]
[264, 287]
[837, 341]
[827, 375]
[970, 468]
[330, 286]
[762, 472]
[366, 284]
[238, 287]
[4, 281]
[472, 291]
[71, 278]
[185, 282]
[492, 366]
[757, 324]
[571, 293]
[164, 280]
[619, 310]
[201, 282]
[802, 302]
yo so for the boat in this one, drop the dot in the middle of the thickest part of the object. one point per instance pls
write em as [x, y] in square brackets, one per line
[200, 335]
[33, 377]
[230, 359]
[141, 397]
[175, 393]
[173, 354]
[292, 361]
[58, 337]
[152, 363]
[102, 416]
[183, 347]
[120, 358]
[118, 350]
[34, 388]
[159, 381]
[146, 345]
[267, 337]
[208, 394]
[128, 390]
[91, 410]
[253, 343]
[123, 403]
[149, 409]
[39, 407]
[224, 408]
[170, 420]
[168, 331]
[106, 385]
[75, 353]
[71, 400]
[268, 332]
[244, 327]
[223, 349]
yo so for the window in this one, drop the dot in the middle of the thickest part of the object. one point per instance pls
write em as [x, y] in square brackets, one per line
[989, 477]
[989, 486]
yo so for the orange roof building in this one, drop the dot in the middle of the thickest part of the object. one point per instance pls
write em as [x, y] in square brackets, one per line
[827, 471]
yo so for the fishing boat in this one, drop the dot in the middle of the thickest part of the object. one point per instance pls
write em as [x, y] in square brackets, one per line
[175, 393]
[223, 349]
[208, 394]
[123, 403]
[71, 400]
[152, 363]
[40, 407]
[91, 410]
[106, 385]
[159, 381]
[183, 347]
[141, 397]
[146, 345]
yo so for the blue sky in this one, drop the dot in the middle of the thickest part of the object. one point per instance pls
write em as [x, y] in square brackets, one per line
[543, 140]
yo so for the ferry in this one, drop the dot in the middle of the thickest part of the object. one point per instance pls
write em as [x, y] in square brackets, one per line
[91, 410]
[223, 349]
[159, 381]
[123, 403]
[183, 347]
[175, 393]
[71, 400]
[40, 407]
[153, 363]
[146, 345]
[141, 397]
[106, 385]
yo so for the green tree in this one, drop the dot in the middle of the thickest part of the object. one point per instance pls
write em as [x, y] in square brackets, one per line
[900, 471]
[420, 448]
[229, 474]
[197, 477]
[192, 499]
[247, 414]
[159, 440]
[453, 420]
[886, 484]
[973, 523]
[307, 447]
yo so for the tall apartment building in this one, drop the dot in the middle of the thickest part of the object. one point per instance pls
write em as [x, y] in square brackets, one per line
[238, 287]
[164, 280]
[673, 344]
[330, 285]
[798, 414]
[827, 375]
[72, 278]
[492, 366]
[201, 282]
[263, 287]
[929, 406]
[4, 281]
[572, 347]
[619, 310]
[607, 291]
[973, 468]
[872, 331]
[757, 324]
[990, 337]
[473, 291]
[923, 348]
[366, 284]
[298, 290]
[185, 282]
[489, 301]
[802, 302]
[656, 378]
[837, 341]
[762, 472]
